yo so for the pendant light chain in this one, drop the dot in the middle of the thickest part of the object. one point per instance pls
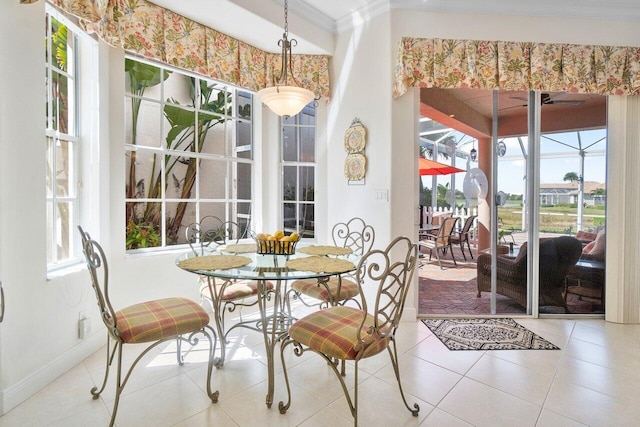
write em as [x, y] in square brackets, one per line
[286, 16]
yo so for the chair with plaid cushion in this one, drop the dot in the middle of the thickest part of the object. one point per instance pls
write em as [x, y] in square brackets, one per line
[347, 333]
[224, 295]
[355, 235]
[155, 322]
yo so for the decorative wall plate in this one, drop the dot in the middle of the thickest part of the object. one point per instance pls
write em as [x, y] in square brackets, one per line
[355, 166]
[355, 138]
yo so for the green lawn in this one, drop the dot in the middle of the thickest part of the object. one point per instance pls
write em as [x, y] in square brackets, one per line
[554, 219]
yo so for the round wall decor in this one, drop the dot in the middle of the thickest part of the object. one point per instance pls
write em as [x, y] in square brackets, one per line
[355, 137]
[355, 166]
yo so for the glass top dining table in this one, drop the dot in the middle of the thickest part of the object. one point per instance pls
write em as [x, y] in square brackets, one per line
[274, 322]
[266, 267]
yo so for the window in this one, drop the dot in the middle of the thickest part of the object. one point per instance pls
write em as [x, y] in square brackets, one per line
[189, 153]
[298, 172]
[62, 140]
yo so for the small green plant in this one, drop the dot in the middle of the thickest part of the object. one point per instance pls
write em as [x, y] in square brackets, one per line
[142, 236]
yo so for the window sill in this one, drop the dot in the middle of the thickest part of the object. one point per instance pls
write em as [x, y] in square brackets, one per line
[65, 271]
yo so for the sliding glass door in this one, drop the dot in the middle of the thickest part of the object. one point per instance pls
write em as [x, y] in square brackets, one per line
[534, 171]
[550, 189]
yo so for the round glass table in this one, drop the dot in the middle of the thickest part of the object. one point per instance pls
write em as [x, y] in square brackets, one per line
[221, 269]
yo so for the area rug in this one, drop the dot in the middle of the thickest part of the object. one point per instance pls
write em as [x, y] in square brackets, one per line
[486, 334]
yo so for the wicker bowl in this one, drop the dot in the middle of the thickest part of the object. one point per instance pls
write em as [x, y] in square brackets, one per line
[275, 247]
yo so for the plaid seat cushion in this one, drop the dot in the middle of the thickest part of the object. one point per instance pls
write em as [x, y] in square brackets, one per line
[158, 319]
[333, 331]
[236, 290]
[310, 287]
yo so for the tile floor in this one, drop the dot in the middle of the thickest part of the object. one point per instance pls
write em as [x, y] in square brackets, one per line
[594, 380]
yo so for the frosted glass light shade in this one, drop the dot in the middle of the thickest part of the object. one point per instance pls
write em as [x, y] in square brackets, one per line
[286, 101]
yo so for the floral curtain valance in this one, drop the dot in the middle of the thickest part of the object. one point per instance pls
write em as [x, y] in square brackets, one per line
[446, 63]
[146, 29]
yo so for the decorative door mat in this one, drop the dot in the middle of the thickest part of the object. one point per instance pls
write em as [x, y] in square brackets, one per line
[486, 334]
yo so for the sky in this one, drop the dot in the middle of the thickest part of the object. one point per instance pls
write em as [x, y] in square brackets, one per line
[559, 154]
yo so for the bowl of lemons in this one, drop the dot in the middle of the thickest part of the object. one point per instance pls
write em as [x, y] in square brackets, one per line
[277, 243]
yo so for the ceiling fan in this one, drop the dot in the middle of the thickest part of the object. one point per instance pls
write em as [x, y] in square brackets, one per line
[547, 99]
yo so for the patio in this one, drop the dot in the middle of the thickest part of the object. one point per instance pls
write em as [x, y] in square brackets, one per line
[453, 291]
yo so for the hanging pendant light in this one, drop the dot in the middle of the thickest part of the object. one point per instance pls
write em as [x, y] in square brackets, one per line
[286, 99]
[473, 154]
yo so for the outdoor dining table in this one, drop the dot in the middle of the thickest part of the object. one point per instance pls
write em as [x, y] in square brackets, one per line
[277, 269]
[428, 230]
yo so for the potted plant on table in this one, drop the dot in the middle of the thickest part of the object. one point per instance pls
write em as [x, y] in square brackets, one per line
[500, 248]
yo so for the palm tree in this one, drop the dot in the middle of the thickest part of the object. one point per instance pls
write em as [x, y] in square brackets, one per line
[571, 176]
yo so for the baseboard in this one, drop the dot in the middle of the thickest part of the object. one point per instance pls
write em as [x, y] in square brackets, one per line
[30, 385]
[409, 315]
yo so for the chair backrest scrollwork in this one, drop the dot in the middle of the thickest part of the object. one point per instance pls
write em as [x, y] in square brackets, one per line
[354, 234]
[211, 232]
[392, 270]
[96, 260]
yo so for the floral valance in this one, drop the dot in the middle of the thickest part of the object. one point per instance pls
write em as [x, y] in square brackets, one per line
[146, 29]
[446, 63]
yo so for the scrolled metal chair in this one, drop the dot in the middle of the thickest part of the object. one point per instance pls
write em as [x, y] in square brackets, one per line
[348, 333]
[156, 322]
[354, 234]
[224, 296]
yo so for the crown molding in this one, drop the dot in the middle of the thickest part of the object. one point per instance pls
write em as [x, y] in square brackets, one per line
[363, 14]
[311, 14]
[603, 9]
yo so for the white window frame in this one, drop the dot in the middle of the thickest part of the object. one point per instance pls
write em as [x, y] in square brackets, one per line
[230, 158]
[82, 135]
[298, 164]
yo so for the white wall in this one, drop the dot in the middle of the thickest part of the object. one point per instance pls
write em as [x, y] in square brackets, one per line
[38, 338]
[361, 89]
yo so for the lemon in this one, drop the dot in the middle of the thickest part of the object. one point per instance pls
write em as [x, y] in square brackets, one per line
[294, 236]
[278, 234]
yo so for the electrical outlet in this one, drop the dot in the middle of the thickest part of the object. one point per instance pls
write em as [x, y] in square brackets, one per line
[84, 327]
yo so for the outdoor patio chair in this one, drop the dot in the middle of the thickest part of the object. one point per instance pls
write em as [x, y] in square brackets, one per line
[441, 242]
[342, 333]
[464, 235]
[558, 255]
[156, 322]
[224, 296]
[355, 235]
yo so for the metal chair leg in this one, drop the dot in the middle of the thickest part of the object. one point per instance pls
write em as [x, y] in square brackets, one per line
[109, 359]
[394, 361]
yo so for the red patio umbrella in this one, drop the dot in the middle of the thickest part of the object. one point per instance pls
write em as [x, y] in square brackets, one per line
[429, 167]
